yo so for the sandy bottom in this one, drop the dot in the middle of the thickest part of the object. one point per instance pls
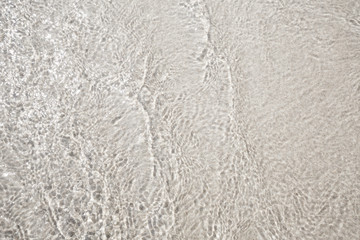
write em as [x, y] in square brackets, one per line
[184, 120]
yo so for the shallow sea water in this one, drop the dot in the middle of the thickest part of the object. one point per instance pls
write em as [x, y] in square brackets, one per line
[149, 119]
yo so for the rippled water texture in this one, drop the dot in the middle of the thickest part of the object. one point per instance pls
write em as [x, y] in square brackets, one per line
[180, 119]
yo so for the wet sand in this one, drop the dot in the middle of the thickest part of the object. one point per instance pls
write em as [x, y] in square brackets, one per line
[180, 119]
